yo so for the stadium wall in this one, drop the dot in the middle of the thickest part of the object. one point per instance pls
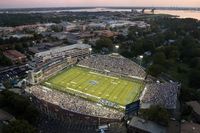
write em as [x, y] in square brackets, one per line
[59, 113]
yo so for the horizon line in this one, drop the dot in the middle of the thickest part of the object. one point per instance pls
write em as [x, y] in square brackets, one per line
[98, 7]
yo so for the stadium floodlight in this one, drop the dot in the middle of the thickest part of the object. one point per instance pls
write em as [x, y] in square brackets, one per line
[117, 46]
[141, 56]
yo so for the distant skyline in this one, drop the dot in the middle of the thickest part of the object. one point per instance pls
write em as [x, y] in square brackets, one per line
[94, 3]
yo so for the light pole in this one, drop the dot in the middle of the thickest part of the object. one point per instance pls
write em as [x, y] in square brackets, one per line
[90, 49]
[116, 47]
[141, 57]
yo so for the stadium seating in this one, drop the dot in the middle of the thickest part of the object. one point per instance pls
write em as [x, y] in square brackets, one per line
[164, 94]
[114, 64]
[74, 103]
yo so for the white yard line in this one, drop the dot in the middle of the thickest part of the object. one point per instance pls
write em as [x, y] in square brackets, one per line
[103, 75]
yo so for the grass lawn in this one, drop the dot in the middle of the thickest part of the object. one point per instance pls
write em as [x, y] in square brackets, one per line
[78, 80]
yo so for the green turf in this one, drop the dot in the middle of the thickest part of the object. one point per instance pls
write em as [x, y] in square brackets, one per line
[78, 80]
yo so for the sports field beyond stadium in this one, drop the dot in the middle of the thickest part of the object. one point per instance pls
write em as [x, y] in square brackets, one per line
[94, 86]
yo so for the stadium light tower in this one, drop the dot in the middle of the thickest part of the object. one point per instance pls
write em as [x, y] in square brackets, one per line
[116, 47]
[141, 57]
[90, 49]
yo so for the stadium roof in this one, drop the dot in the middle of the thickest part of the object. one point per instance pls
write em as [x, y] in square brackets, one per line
[13, 54]
[147, 126]
[62, 49]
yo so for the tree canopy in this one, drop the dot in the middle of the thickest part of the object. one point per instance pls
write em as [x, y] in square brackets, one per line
[19, 126]
[104, 43]
[157, 114]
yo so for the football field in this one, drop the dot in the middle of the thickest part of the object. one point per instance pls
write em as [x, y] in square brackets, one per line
[85, 82]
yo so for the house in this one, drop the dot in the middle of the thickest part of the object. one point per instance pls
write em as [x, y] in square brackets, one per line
[59, 35]
[68, 26]
[72, 38]
[188, 127]
[41, 29]
[138, 125]
[15, 56]
[96, 25]
[108, 33]
[2, 87]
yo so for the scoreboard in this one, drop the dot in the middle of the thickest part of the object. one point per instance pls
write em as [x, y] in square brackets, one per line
[132, 107]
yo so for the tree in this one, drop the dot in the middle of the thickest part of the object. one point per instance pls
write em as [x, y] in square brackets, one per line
[20, 107]
[155, 70]
[86, 41]
[7, 84]
[19, 104]
[195, 63]
[149, 45]
[19, 126]
[104, 43]
[186, 111]
[25, 45]
[174, 54]
[4, 61]
[31, 114]
[157, 114]
[19, 47]
[189, 94]
[194, 79]
[138, 47]
[2, 101]
[57, 28]
[159, 58]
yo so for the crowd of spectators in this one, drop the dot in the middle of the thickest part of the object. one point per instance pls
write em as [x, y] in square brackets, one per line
[164, 94]
[114, 64]
[73, 103]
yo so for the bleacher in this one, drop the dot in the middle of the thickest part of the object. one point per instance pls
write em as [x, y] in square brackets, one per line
[117, 65]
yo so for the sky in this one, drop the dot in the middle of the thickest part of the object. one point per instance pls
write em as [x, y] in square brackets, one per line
[74, 3]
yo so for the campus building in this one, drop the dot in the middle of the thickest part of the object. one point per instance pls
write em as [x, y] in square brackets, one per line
[48, 63]
[15, 56]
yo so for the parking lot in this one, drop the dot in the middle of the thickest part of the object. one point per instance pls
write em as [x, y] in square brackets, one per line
[13, 73]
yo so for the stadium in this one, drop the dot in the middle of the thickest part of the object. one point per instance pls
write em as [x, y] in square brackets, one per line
[107, 90]
[69, 83]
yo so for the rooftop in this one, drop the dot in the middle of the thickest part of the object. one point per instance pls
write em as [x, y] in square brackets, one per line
[63, 48]
[195, 106]
[145, 125]
[13, 54]
[188, 127]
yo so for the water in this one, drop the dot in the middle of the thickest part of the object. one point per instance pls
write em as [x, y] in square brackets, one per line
[180, 14]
